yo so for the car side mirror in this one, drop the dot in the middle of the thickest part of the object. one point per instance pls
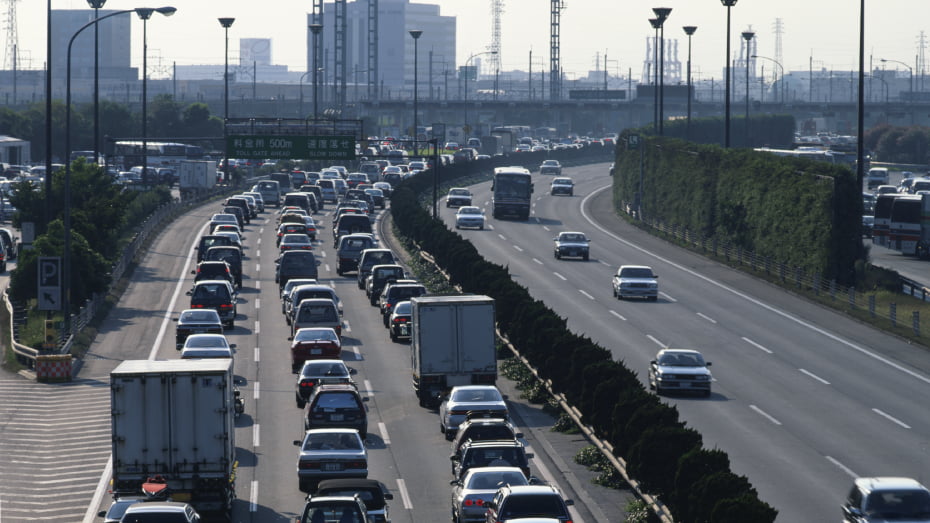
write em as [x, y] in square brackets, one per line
[175, 319]
[518, 435]
[653, 362]
[708, 364]
[193, 272]
[365, 399]
[290, 338]
[189, 293]
[555, 239]
[388, 496]
[232, 345]
[529, 455]
[569, 502]
[353, 371]
[236, 393]
[102, 514]
[297, 443]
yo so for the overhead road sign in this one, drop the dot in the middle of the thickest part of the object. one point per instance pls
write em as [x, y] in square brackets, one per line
[337, 147]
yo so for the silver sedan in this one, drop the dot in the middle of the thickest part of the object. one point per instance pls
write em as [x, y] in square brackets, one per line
[469, 216]
[471, 493]
[455, 408]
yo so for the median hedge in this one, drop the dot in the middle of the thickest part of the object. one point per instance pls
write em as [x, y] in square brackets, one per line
[661, 452]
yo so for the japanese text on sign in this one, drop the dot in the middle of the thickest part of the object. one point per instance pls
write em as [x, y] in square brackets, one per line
[292, 147]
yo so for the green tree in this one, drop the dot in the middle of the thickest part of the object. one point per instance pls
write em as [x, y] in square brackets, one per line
[164, 116]
[197, 121]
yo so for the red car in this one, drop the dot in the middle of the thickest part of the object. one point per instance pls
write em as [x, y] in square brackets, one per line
[314, 343]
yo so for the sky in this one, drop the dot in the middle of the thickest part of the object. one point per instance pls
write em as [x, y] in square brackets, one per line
[822, 32]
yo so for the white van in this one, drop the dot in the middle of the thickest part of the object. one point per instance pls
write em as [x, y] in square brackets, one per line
[877, 176]
[270, 191]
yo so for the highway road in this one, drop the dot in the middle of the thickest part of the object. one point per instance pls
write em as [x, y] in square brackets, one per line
[56, 459]
[804, 399]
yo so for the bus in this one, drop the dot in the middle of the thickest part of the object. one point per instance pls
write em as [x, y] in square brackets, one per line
[882, 218]
[818, 154]
[511, 191]
[128, 154]
[909, 222]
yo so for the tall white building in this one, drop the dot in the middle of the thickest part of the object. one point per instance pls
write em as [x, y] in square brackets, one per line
[395, 47]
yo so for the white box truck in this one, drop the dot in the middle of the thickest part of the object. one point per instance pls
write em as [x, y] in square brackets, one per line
[173, 421]
[452, 343]
[195, 176]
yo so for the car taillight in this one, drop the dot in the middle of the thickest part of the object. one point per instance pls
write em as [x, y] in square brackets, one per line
[339, 330]
[458, 412]
[196, 306]
[225, 306]
[356, 465]
[306, 465]
[478, 502]
[400, 320]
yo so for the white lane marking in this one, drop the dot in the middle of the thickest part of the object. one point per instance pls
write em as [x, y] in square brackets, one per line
[256, 355]
[816, 377]
[518, 248]
[756, 345]
[842, 467]
[255, 393]
[257, 327]
[326, 266]
[348, 328]
[253, 497]
[404, 496]
[322, 254]
[382, 428]
[258, 285]
[764, 414]
[261, 230]
[656, 341]
[258, 303]
[255, 435]
[537, 219]
[501, 236]
[617, 314]
[258, 253]
[537, 261]
[770, 308]
[706, 317]
[490, 227]
[367, 385]
[258, 268]
[891, 418]
[258, 242]
[560, 276]
[546, 228]
[667, 297]
[358, 355]
[602, 262]
[586, 294]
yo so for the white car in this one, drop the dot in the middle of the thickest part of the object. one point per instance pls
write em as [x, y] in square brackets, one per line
[680, 370]
[469, 216]
[636, 280]
[463, 398]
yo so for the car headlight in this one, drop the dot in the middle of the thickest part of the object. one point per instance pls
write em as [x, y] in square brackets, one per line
[702, 377]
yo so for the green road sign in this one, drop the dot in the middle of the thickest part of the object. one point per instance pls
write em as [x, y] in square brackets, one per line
[292, 147]
[632, 141]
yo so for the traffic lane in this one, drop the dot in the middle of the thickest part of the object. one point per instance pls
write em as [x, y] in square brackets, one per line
[910, 267]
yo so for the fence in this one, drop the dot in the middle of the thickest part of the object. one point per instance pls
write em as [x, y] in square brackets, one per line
[18, 314]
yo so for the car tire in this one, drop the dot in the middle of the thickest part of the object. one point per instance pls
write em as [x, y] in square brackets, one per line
[481, 227]
[653, 298]
[585, 257]
[613, 290]
[393, 337]
[707, 393]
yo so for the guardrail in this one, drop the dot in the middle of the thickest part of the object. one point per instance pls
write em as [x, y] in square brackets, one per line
[26, 355]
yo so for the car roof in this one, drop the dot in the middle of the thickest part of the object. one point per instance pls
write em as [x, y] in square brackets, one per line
[157, 506]
[636, 267]
[888, 483]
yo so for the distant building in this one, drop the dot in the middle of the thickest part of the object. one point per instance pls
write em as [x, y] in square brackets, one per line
[14, 151]
[114, 45]
[254, 51]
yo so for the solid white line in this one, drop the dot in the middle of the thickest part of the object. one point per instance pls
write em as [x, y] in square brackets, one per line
[501, 236]
[546, 227]
[253, 497]
[656, 341]
[255, 392]
[586, 294]
[750, 299]
[348, 328]
[560, 276]
[258, 303]
[257, 328]
[756, 345]
[602, 262]
[258, 268]
[708, 318]
[537, 261]
[764, 414]
[891, 418]
[382, 428]
[667, 297]
[367, 385]
[842, 467]
[256, 355]
[816, 377]
[255, 433]
[617, 314]
[404, 496]
[518, 248]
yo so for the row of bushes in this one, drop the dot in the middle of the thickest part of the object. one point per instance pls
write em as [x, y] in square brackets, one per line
[665, 455]
[800, 212]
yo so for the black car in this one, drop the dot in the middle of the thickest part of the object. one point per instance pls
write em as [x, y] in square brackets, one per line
[211, 240]
[482, 426]
[242, 203]
[368, 259]
[231, 255]
[196, 321]
[295, 264]
[336, 406]
[9, 243]
[351, 224]
[372, 492]
[237, 212]
[349, 250]
[213, 270]
[397, 293]
[381, 275]
[491, 453]
[218, 295]
[315, 191]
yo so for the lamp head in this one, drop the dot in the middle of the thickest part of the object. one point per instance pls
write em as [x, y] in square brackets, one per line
[226, 22]
[144, 12]
[728, 3]
[748, 35]
[662, 13]
[415, 33]
[166, 11]
[690, 29]
[655, 23]
[96, 4]
[316, 28]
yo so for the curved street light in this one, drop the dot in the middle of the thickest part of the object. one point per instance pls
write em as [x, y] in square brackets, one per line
[748, 36]
[226, 23]
[689, 30]
[781, 73]
[415, 33]
[656, 24]
[467, 128]
[316, 29]
[909, 69]
[66, 255]
[144, 14]
[662, 15]
[96, 5]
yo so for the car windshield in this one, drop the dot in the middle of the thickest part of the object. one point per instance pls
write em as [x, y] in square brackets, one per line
[403, 307]
[459, 192]
[548, 505]
[469, 210]
[476, 395]
[296, 238]
[155, 517]
[550, 162]
[336, 401]
[680, 359]
[199, 316]
[321, 368]
[315, 313]
[211, 291]
[561, 181]
[636, 273]
[333, 441]
[326, 512]
[898, 504]
[572, 237]
[494, 480]
[206, 342]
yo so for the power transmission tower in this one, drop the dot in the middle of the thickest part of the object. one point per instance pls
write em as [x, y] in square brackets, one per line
[10, 60]
[497, 9]
[373, 49]
[340, 58]
[555, 66]
[779, 31]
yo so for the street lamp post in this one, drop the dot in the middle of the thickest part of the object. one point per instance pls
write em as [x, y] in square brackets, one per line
[781, 72]
[909, 69]
[662, 15]
[748, 36]
[655, 23]
[300, 84]
[415, 33]
[226, 23]
[467, 128]
[726, 136]
[66, 255]
[96, 5]
[144, 14]
[689, 30]
[316, 29]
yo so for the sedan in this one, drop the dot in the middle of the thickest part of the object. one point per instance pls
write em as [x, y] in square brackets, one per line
[471, 493]
[320, 372]
[399, 322]
[550, 167]
[680, 370]
[329, 454]
[574, 244]
[194, 321]
[314, 343]
[636, 280]
[469, 216]
[462, 399]
[295, 242]
[562, 185]
[458, 197]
